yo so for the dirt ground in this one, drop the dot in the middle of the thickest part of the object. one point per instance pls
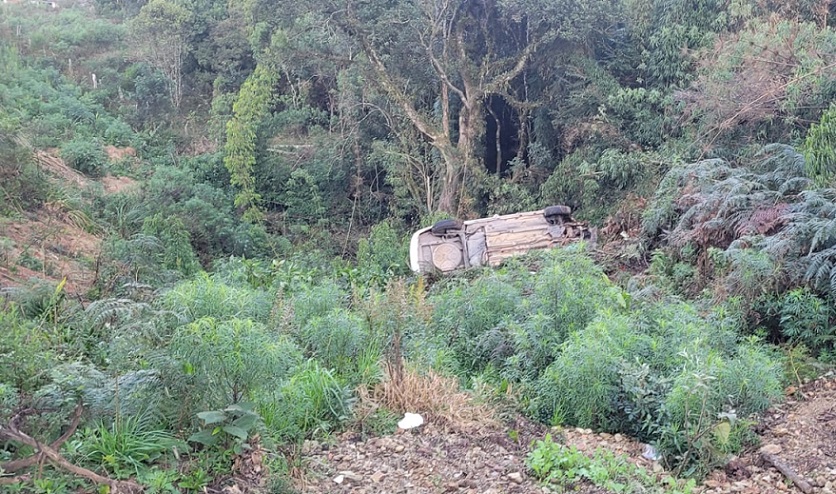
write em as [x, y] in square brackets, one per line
[431, 459]
[53, 243]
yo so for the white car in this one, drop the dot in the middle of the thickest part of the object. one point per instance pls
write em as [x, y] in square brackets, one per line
[451, 244]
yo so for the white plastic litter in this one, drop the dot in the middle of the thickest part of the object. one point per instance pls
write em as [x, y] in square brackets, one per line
[650, 453]
[339, 479]
[411, 421]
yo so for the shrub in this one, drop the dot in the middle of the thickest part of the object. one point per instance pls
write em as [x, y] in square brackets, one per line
[206, 296]
[340, 341]
[223, 362]
[177, 253]
[84, 155]
[317, 301]
[806, 318]
[312, 401]
[662, 373]
[474, 318]
[25, 352]
[569, 292]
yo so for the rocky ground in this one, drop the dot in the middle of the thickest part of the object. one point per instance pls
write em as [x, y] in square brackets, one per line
[800, 434]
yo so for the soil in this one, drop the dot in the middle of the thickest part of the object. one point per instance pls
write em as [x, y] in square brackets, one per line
[53, 243]
[47, 244]
[801, 432]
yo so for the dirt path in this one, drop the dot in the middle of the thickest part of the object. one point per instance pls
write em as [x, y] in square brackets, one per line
[432, 460]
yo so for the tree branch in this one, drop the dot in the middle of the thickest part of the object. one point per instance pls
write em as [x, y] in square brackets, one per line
[12, 433]
[17, 465]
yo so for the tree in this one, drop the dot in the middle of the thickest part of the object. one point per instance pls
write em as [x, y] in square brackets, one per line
[437, 62]
[160, 33]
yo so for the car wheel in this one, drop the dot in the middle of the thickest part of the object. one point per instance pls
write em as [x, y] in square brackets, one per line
[444, 227]
[557, 211]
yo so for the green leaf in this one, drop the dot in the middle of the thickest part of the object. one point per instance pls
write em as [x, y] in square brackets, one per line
[722, 432]
[236, 431]
[212, 417]
[204, 437]
[246, 422]
[242, 407]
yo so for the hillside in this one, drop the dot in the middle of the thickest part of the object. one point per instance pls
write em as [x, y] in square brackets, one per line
[204, 265]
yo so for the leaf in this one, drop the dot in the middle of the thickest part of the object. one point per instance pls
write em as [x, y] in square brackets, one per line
[236, 431]
[722, 431]
[242, 407]
[246, 422]
[204, 437]
[212, 417]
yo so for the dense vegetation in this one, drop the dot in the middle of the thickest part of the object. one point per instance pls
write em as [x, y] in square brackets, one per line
[252, 291]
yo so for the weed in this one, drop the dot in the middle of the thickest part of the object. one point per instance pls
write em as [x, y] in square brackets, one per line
[565, 467]
[127, 446]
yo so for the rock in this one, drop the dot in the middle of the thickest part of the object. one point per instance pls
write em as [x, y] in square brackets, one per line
[399, 448]
[771, 449]
[516, 477]
[377, 477]
[348, 474]
[339, 479]
[309, 447]
[780, 431]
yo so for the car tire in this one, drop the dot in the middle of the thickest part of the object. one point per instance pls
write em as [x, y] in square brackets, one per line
[553, 211]
[444, 227]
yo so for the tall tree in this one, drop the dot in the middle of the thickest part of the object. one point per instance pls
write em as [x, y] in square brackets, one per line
[160, 32]
[437, 61]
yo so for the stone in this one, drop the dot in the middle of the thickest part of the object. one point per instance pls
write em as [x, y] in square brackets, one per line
[399, 448]
[377, 477]
[772, 449]
[348, 474]
[516, 477]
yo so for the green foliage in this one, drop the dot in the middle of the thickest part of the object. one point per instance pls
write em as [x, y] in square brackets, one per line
[474, 317]
[317, 301]
[127, 446]
[229, 428]
[177, 253]
[383, 255]
[802, 318]
[340, 341]
[249, 110]
[662, 373]
[819, 148]
[554, 463]
[84, 155]
[25, 352]
[312, 401]
[207, 296]
[225, 362]
[23, 186]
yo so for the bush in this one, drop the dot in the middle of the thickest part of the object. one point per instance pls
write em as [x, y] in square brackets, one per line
[316, 301]
[205, 296]
[311, 401]
[223, 362]
[340, 341]
[662, 373]
[85, 155]
[475, 318]
[25, 352]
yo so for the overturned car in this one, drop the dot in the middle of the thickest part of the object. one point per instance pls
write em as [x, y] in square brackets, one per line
[451, 244]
